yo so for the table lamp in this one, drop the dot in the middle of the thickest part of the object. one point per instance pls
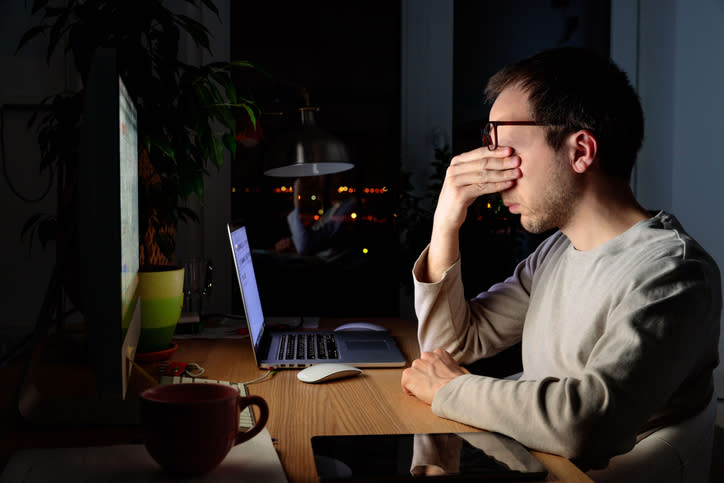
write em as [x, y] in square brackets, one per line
[309, 151]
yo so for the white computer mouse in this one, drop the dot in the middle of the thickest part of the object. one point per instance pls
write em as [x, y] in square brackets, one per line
[327, 371]
[360, 326]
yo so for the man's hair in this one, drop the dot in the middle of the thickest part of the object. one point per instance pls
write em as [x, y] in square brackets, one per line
[572, 88]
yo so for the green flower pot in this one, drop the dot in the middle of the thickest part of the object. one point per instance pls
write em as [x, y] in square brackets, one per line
[161, 296]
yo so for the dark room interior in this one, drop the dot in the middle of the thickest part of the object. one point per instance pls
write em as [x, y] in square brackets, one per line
[396, 86]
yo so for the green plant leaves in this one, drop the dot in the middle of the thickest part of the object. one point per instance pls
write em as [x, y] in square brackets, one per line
[29, 35]
[187, 114]
[197, 30]
[230, 144]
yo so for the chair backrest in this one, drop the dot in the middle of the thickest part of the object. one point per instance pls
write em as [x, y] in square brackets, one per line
[680, 453]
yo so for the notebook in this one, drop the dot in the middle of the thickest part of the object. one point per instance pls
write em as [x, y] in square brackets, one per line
[301, 348]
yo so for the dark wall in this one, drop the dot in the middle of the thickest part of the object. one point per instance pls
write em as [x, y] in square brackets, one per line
[347, 57]
[487, 36]
[490, 34]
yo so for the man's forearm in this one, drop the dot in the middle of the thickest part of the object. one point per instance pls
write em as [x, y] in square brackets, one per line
[444, 251]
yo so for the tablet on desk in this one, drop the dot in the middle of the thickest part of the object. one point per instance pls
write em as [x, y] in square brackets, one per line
[437, 456]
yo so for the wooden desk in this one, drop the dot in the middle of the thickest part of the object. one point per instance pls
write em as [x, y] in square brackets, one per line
[372, 403]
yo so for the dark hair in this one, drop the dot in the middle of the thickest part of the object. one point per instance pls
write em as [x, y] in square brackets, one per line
[572, 88]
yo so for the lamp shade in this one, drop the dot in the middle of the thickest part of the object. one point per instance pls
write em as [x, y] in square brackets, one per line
[308, 151]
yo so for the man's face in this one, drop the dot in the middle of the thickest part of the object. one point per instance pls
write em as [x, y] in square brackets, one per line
[545, 194]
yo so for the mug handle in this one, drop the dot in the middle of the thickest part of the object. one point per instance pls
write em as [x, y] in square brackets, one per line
[245, 401]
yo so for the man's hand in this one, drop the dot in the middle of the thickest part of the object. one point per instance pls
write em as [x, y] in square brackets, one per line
[470, 175]
[429, 374]
[284, 245]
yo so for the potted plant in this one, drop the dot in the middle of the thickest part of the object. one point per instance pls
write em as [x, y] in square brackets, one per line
[187, 120]
[187, 114]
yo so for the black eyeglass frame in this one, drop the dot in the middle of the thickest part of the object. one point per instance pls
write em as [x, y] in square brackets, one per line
[492, 127]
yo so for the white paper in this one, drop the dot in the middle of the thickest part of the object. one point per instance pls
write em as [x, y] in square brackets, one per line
[253, 460]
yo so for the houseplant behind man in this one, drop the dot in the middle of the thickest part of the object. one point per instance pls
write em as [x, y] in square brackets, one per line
[187, 114]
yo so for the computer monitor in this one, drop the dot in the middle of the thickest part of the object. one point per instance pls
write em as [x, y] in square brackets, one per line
[83, 375]
[107, 220]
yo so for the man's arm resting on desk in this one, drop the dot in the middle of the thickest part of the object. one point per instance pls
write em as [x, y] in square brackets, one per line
[492, 404]
[655, 352]
[588, 418]
[430, 373]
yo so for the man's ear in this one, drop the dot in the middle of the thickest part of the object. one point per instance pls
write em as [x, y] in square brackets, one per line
[583, 148]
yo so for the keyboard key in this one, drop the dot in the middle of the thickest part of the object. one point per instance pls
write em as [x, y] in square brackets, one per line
[308, 346]
[291, 339]
[301, 350]
[311, 347]
[282, 345]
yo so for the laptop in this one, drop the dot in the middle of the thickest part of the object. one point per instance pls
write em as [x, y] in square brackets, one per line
[296, 348]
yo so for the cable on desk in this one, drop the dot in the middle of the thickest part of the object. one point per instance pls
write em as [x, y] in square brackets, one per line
[224, 316]
[268, 373]
[194, 370]
[145, 374]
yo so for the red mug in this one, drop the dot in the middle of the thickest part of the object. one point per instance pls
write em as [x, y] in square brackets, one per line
[189, 428]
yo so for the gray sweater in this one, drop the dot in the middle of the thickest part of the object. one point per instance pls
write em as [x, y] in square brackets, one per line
[616, 340]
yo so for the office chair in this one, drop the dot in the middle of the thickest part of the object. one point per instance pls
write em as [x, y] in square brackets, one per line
[680, 453]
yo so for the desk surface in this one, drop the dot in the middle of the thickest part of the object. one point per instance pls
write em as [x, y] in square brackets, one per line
[372, 403]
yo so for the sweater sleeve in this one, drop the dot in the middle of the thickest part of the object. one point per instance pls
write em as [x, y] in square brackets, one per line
[655, 356]
[313, 239]
[471, 329]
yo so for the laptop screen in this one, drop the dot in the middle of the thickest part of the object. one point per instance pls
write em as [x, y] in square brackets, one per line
[247, 283]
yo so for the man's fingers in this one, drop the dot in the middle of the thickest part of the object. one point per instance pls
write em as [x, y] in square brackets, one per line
[427, 374]
[442, 353]
[484, 152]
[420, 364]
[485, 170]
[405, 381]
[497, 176]
[498, 163]
[472, 175]
[486, 188]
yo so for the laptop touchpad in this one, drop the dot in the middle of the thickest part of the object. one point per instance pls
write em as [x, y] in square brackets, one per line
[366, 345]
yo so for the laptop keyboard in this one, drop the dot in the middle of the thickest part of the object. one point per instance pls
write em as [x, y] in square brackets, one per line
[308, 346]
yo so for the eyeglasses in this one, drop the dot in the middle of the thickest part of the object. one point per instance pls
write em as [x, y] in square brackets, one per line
[489, 131]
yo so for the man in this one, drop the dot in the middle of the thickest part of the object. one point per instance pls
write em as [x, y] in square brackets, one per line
[327, 238]
[618, 311]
